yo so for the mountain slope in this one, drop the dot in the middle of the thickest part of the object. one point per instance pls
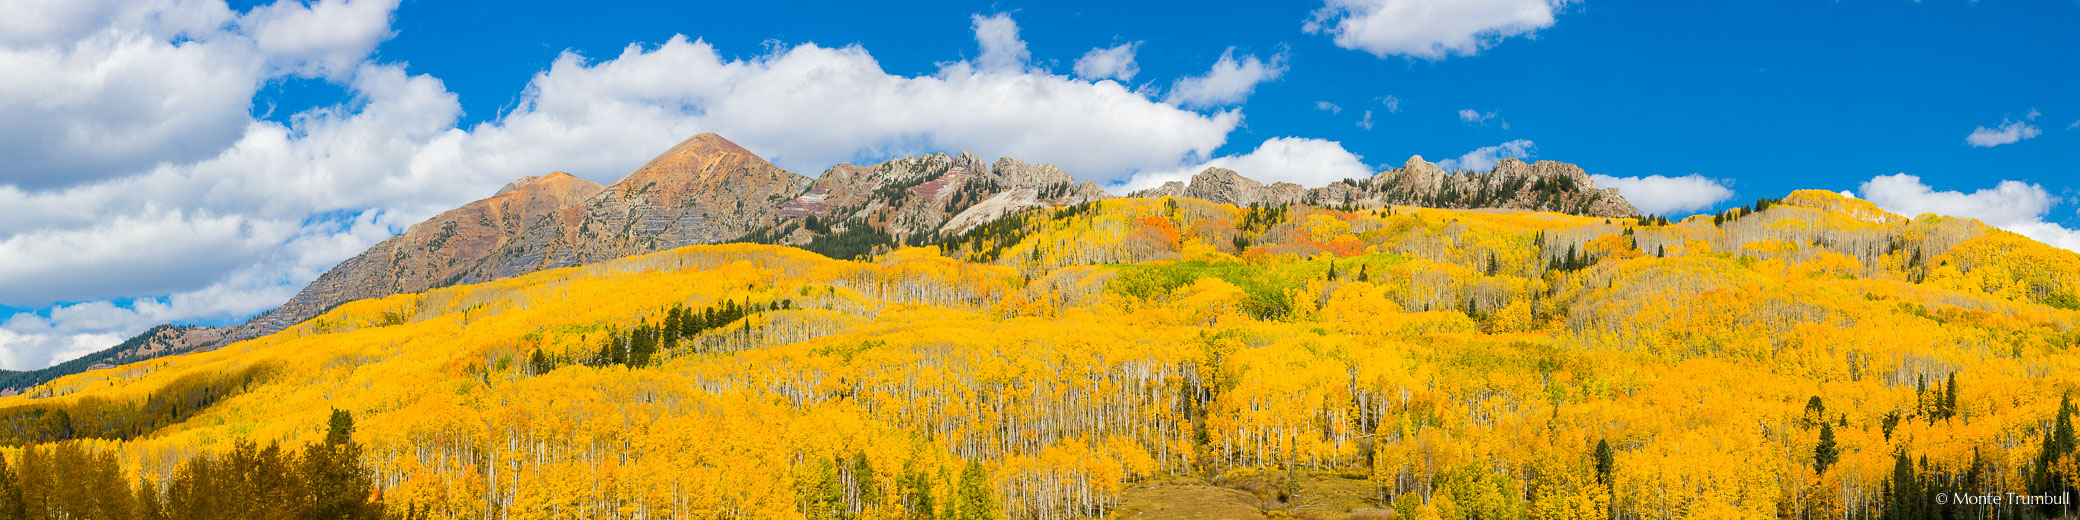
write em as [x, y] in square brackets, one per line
[705, 189]
[455, 246]
[1335, 363]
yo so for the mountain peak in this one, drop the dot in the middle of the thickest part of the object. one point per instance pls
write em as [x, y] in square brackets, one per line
[701, 154]
[1217, 184]
[1216, 173]
[715, 140]
[1416, 161]
[705, 189]
[517, 184]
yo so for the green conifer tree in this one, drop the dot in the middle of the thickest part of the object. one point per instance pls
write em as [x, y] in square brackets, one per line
[975, 499]
[337, 487]
[10, 492]
[1825, 452]
[1604, 462]
[869, 489]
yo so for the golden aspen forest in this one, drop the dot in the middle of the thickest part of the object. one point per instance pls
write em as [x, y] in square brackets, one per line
[1810, 357]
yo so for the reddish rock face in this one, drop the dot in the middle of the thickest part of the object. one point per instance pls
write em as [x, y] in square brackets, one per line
[704, 190]
[443, 250]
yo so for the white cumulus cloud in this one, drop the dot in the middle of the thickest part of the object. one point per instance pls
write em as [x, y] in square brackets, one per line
[97, 89]
[1484, 158]
[1667, 196]
[1429, 29]
[1229, 81]
[1115, 62]
[1002, 50]
[206, 213]
[2008, 132]
[1304, 161]
[323, 37]
[809, 106]
[2011, 205]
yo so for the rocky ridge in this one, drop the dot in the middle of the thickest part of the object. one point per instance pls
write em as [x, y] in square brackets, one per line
[707, 189]
[1513, 184]
[852, 209]
[1227, 187]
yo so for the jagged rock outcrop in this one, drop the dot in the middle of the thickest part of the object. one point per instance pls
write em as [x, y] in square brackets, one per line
[902, 197]
[1513, 184]
[1030, 186]
[915, 199]
[1225, 186]
[1015, 173]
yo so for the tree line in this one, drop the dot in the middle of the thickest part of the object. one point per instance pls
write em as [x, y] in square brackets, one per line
[838, 489]
[641, 345]
[94, 417]
[324, 480]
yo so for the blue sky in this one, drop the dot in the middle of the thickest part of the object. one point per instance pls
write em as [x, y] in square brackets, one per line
[1774, 96]
[237, 150]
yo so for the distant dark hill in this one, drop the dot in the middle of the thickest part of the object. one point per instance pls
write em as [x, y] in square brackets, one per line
[162, 340]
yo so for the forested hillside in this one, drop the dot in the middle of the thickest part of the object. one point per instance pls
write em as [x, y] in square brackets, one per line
[154, 342]
[1809, 357]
